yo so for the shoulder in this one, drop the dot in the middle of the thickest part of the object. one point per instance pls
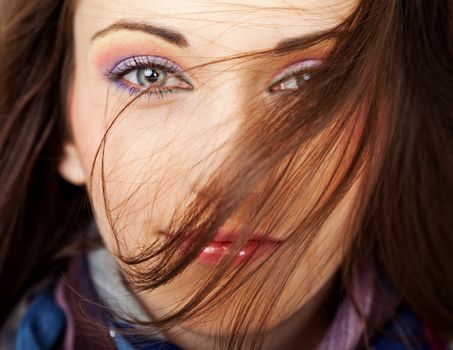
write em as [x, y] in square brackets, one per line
[406, 331]
[37, 322]
[60, 313]
[9, 328]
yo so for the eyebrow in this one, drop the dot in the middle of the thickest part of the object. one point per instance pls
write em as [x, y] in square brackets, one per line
[168, 35]
[177, 38]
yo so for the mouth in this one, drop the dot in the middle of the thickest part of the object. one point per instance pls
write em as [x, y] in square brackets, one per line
[258, 246]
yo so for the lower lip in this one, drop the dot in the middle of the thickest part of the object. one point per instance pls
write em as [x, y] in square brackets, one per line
[215, 252]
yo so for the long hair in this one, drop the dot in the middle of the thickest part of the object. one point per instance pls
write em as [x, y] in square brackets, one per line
[39, 211]
[381, 101]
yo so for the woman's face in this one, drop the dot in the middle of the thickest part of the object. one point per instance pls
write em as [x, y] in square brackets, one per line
[165, 141]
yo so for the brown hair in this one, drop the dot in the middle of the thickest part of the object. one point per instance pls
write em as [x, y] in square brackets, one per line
[384, 92]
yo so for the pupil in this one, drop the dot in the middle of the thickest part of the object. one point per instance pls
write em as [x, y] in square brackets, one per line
[151, 74]
[148, 76]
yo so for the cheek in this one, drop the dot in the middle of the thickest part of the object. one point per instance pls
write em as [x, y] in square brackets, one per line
[86, 120]
[149, 159]
[87, 125]
[326, 252]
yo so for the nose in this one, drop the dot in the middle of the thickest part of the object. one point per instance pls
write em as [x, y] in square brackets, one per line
[230, 88]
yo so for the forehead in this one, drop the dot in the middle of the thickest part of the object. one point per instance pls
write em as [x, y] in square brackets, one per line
[226, 26]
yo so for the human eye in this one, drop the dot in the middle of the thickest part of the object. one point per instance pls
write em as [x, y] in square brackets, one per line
[150, 76]
[294, 76]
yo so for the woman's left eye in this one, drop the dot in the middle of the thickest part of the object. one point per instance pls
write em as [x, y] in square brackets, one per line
[152, 75]
[295, 76]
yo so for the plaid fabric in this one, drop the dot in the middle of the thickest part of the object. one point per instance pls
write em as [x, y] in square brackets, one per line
[69, 315]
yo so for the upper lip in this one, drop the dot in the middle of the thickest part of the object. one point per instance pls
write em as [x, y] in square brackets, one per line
[232, 235]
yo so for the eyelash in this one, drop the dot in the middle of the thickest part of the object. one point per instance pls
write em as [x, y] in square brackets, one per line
[120, 70]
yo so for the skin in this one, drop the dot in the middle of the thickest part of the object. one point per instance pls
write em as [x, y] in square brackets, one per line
[166, 143]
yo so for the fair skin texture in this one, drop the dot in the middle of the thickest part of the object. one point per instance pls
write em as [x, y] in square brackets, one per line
[166, 143]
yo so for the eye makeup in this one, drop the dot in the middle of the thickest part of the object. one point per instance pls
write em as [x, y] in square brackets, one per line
[170, 76]
[131, 73]
[292, 77]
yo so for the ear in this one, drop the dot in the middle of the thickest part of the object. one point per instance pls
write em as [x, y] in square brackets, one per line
[70, 167]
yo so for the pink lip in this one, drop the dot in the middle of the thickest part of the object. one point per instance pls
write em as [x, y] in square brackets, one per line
[257, 247]
[225, 235]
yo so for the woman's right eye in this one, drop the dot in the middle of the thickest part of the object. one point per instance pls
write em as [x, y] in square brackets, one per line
[152, 75]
